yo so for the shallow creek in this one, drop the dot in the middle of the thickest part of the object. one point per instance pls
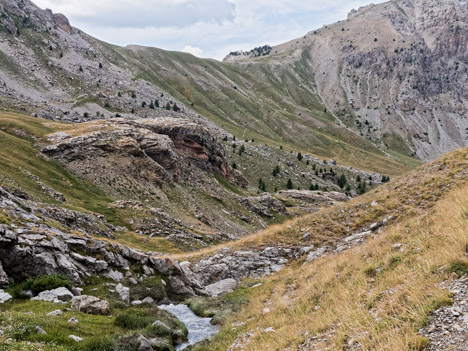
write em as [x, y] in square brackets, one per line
[198, 328]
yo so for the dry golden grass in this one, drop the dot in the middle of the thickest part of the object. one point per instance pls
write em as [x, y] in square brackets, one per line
[410, 195]
[375, 294]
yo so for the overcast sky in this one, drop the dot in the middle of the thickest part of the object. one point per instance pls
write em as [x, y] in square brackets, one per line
[205, 28]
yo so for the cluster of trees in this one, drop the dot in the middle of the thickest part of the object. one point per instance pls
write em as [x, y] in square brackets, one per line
[341, 180]
[314, 187]
[155, 104]
[255, 52]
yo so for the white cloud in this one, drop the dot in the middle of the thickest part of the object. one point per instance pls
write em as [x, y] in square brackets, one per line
[140, 14]
[193, 50]
[212, 27]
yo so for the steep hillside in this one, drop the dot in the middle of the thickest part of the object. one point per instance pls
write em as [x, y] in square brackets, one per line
[394, 72]
[167, 179]
[56, 71]
[363, 275]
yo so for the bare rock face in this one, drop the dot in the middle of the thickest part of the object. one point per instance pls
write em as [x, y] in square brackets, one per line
[142, 153]
[195, 142]
[62, 22]
[90, 305]
[398, 71]
[35, 15]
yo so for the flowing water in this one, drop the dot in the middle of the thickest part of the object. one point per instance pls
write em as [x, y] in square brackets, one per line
[198, 328]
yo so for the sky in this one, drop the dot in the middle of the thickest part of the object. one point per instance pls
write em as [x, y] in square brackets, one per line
[204, 28]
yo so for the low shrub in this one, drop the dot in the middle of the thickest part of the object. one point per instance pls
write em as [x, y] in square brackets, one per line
[40, 284]
[47, 282]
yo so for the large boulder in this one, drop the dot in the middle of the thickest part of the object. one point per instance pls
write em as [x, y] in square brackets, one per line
[90, 305]
[123, 292]
[58, 295]
[222, 287]
[4, 297]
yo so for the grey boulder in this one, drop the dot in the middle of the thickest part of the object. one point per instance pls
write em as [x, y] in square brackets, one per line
[4, 297]
[90, 305]
[222, 287]
[59, 295]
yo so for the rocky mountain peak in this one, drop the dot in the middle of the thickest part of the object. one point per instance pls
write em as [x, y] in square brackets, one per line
[27, 13]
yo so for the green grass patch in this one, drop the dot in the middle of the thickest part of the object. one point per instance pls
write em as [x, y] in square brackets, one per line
[41, 283]
[133, 320]
[226, 184]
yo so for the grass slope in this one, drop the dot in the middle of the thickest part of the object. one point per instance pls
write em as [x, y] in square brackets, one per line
[20, 162]
[377, 294]
[18, 156]
[265, 101]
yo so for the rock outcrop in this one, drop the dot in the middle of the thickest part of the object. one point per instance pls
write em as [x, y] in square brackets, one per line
[317, 199]
[32, 248]
[119, 151]
[146, 153]
[11, 10]
[194, 142]
[264, 205]
[230, 264]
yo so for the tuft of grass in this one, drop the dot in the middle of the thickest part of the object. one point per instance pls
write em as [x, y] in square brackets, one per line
[459, 267]
[100, 343]
[132, 320]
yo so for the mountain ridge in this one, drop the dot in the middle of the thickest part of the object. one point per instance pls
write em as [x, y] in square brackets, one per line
[416, 50]
[243, 102]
